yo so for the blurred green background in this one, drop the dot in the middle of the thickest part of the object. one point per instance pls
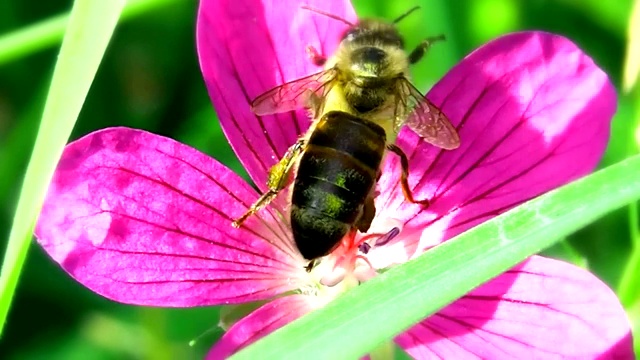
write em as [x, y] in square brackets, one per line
[150, 79]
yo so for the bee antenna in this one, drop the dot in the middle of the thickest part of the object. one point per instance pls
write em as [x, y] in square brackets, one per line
[335, 17]
[397, 20]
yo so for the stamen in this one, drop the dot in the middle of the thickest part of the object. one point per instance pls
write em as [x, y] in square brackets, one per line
[364, 248]
[334, 278]
[364, 272]
[364, 258]
[383, 240]
[366, 237]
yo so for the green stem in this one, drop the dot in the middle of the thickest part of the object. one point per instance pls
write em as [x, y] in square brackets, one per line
[90, 28]
[155, 322]
[384, 351]
[573, 254]
[47, 33]
[634, 317]
[629, 288]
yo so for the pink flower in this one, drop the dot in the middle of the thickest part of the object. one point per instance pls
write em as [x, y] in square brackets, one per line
[142, 219]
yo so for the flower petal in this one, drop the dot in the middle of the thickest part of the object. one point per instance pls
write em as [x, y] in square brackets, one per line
[260, 323]
[248, 47]
[541, 309]
[143, 219]
[533, 112]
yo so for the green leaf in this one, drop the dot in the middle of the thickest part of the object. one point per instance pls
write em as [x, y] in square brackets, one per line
[91, 25]
[404, 295]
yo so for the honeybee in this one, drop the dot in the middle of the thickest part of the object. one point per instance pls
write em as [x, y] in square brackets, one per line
[358, 103]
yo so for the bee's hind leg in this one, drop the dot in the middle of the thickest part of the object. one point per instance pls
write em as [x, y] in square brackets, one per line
[421, 49]
[405, 174]
[366, 217]
[279, 178]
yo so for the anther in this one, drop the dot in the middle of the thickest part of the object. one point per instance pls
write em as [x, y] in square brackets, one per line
[383, 240]
[364, 248]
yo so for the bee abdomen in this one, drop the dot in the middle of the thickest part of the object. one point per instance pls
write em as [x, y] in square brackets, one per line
[327, 197]
[336, 173]
[315, 233]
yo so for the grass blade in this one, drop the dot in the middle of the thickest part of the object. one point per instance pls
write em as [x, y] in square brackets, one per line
[632, 57]
[91, 25]
[403, 295]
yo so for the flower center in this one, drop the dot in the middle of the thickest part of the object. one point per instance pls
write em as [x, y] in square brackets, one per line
[348, 266]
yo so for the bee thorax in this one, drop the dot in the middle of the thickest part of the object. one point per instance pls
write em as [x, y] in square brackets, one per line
[368, 62]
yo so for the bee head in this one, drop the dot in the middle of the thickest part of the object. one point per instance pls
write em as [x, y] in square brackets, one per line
[372, 31]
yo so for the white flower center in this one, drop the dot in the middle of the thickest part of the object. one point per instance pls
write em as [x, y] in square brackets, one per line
[347, 266]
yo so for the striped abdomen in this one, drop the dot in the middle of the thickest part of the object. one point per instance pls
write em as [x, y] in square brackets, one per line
[336, 174]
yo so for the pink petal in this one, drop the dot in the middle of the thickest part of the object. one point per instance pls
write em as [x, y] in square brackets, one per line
[248, 47]
[143, 219]
[533, 112]
[260, 323]
[541, 309]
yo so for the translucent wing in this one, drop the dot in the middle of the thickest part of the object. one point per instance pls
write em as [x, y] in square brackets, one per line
[293, 95]
[424, 118]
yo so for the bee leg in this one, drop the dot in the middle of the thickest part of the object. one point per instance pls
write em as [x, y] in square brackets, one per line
[364, 223]
[405, 174]
[279, 177]
[421, 49]
[311, 265]
[367, 215]
[314, 56]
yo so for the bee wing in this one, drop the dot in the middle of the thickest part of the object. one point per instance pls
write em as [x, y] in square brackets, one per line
[426, 119]
[292, 95]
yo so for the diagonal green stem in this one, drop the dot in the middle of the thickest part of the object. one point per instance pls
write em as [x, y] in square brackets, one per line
[49, 32]
[628, 289]
[89, 30]
[405, 294]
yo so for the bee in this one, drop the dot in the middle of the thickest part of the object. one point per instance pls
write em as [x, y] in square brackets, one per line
[359, 101]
